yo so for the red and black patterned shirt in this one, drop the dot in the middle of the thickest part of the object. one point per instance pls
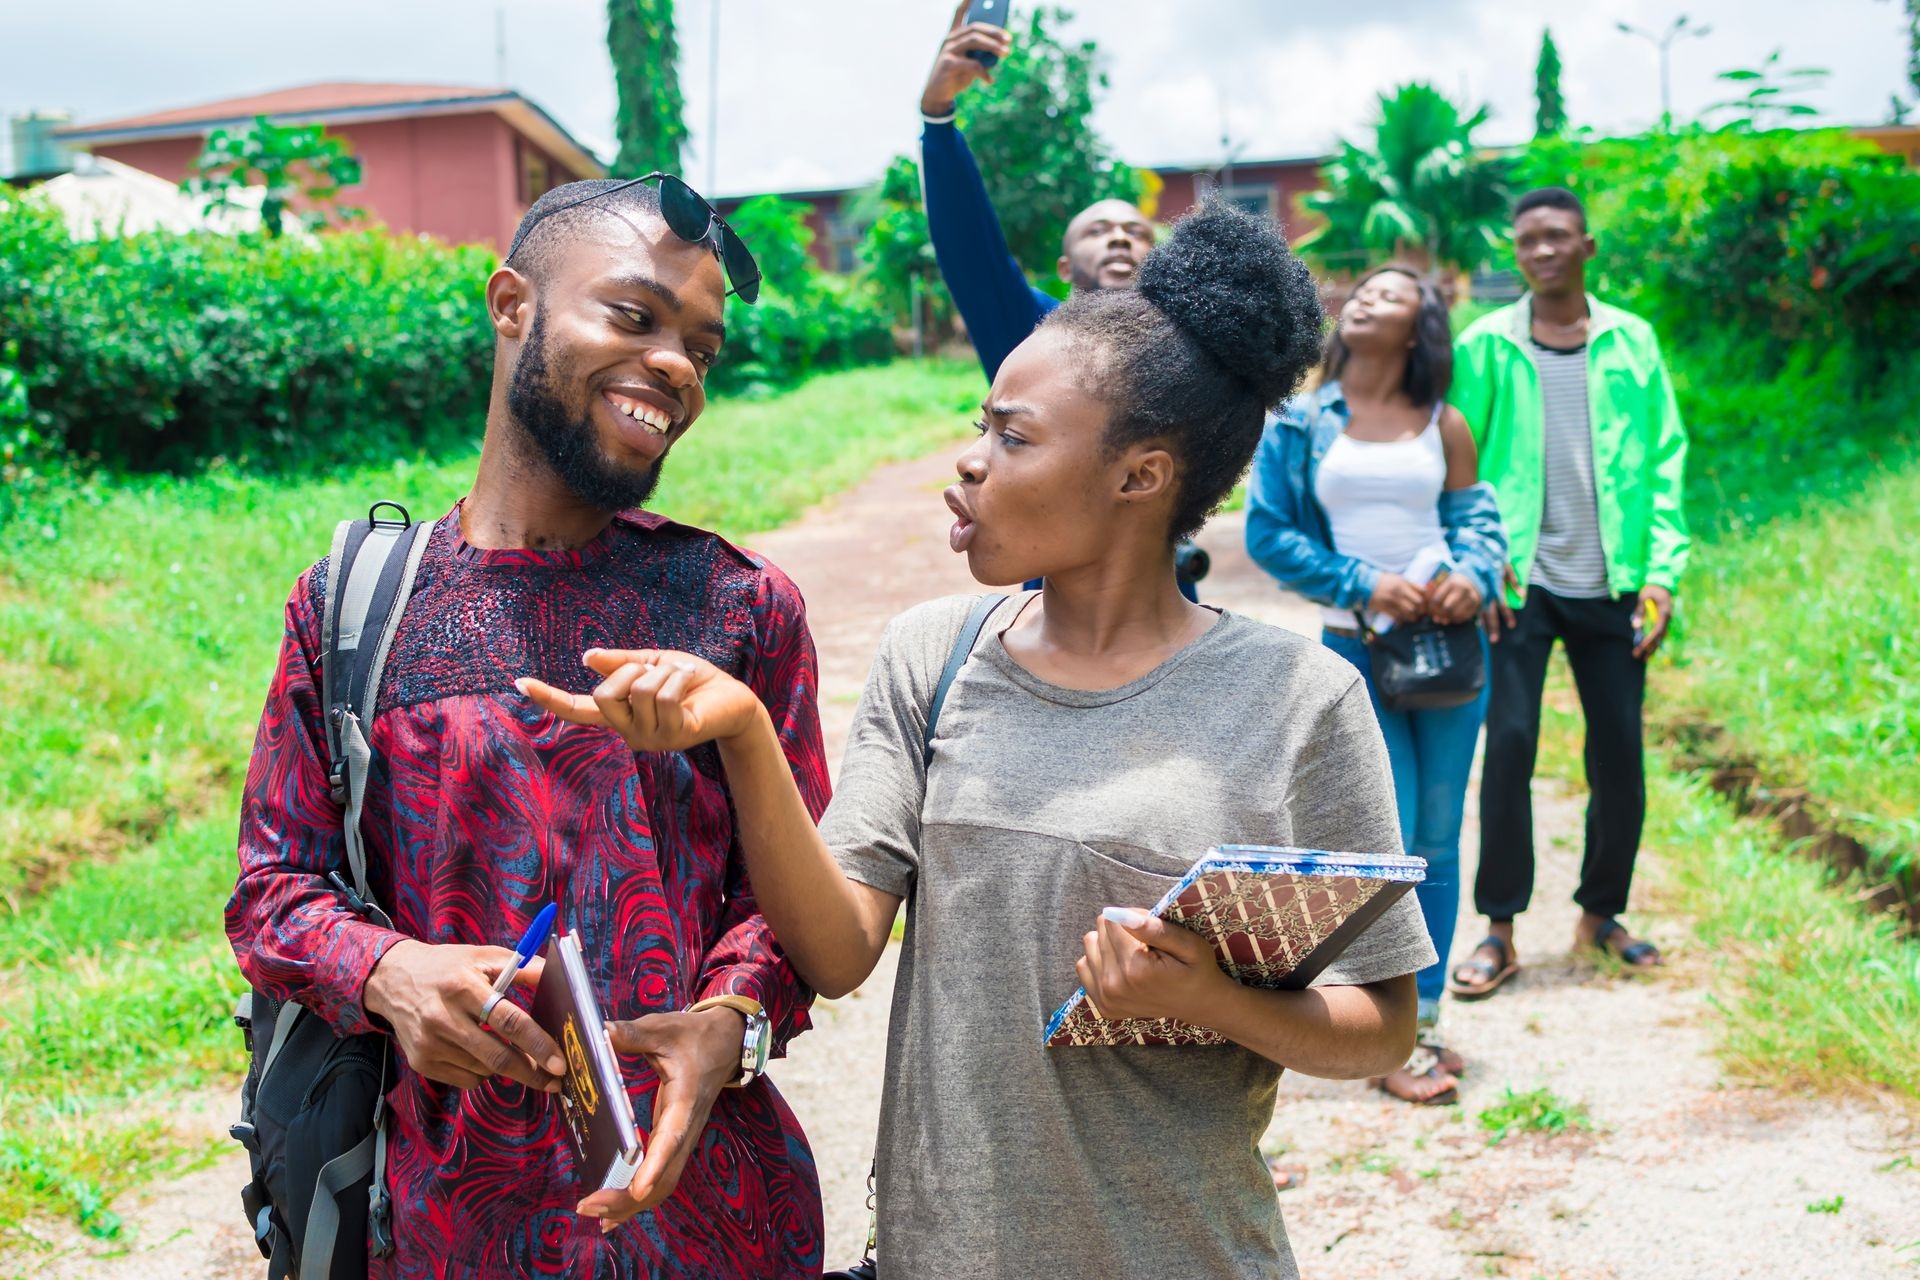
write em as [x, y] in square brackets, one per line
[480, 809]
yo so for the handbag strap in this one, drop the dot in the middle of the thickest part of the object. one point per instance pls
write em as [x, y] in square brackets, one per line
[963, 644]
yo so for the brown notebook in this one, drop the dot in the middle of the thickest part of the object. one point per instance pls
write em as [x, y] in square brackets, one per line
[593, 1098]
[1276, 918]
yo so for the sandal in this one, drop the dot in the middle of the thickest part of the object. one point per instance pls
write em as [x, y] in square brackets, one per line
[1634, 954]
[1422, 1081]
[1450, 1062]
[1490, 974]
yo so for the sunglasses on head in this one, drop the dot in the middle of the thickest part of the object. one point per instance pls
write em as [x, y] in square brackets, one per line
[689, 216]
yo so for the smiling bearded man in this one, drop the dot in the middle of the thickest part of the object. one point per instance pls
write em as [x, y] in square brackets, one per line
[481, 809]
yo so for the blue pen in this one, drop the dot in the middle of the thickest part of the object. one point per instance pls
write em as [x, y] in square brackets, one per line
[530, 944]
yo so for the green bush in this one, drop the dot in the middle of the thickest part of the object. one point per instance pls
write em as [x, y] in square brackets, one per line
[1786, 238]
[158, 350]
[806, 320]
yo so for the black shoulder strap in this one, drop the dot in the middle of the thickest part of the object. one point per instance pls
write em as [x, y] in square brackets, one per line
[962, 649]
[369, 579]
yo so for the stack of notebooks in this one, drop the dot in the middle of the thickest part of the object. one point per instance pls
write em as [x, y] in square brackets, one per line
[1276, 918]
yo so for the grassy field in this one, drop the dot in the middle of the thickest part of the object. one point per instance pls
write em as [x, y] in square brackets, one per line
[138, 623]
[1803, 643]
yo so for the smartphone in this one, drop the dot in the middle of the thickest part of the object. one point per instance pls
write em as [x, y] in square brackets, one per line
[994, 14]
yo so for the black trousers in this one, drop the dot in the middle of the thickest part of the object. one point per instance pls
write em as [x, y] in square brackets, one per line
[1598, 635]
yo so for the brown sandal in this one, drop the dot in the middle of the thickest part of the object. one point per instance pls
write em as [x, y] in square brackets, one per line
[1491, 973]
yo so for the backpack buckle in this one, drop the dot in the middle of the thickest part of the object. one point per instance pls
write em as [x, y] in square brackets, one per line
[354, 900]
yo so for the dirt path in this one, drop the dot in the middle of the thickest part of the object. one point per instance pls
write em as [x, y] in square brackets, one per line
[1684, 1175]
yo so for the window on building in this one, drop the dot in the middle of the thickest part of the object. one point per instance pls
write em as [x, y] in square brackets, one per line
[843, 242]
[536, 174]
[1260, 200]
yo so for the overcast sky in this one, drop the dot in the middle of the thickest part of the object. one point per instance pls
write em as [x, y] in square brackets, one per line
[821, 94]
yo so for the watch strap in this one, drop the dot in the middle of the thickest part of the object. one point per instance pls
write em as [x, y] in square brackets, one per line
[746, 1006]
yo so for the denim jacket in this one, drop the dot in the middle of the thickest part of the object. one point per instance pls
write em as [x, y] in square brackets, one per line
[1287, 530]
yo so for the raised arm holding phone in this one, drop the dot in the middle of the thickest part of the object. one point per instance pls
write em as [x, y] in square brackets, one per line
[1101, 248]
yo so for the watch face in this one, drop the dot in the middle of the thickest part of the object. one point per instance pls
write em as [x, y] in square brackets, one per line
[753, 1050]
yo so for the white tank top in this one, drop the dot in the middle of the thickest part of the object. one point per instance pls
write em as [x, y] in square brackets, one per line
[1382, 500]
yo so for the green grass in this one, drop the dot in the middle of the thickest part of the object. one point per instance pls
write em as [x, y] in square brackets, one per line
[1832, 1205]
[1534, 1111]
[138, 624]
[1803, 643]
[1812, 992]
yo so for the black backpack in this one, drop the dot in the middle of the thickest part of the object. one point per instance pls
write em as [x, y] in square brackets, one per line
[313, 1113]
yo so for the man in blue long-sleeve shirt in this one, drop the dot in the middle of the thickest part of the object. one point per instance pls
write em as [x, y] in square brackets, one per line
[1102, 248]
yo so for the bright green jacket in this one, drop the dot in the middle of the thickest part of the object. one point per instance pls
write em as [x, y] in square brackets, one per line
[1639, 444]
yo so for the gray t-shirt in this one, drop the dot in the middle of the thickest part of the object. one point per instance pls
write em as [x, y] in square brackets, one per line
[998, 1157]
[1569, 560]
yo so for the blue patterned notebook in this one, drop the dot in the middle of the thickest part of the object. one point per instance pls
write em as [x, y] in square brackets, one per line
[1276, 917]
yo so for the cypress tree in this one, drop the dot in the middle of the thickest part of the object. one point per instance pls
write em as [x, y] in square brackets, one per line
[651, 126]
[1550, 110]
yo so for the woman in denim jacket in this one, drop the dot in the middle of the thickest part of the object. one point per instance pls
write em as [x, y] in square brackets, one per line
[1360, 489]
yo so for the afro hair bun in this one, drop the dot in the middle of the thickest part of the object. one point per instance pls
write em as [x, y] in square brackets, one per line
[1229, 283]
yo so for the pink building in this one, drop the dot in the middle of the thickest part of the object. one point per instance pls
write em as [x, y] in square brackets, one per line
[461, 164]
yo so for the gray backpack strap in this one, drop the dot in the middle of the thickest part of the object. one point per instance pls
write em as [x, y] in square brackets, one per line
[963, 644]
[369, 581]
[323, 1217]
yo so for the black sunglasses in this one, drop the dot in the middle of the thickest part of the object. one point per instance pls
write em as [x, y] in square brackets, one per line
[689, 216]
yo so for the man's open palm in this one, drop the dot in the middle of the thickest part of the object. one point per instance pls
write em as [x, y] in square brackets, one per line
[655, 699]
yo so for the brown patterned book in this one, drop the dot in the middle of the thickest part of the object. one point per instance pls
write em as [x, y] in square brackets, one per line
[1276, 917]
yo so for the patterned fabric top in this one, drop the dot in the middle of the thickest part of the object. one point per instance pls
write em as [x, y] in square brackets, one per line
[480, 809]
[1266, 911]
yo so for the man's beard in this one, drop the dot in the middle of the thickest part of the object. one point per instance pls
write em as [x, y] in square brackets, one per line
[570, 446]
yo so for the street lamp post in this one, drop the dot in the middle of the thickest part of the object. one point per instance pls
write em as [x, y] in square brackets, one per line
[1664, 42]
[713, 100]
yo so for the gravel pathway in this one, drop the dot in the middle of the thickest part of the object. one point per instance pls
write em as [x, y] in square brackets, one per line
[1682, 1175]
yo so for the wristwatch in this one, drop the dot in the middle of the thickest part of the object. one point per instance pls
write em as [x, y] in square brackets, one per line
[754, 1043]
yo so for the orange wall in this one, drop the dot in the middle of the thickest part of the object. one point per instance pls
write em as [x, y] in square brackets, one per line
[453, 177]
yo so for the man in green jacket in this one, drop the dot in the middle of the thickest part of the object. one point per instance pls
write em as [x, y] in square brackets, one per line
[1573, 410]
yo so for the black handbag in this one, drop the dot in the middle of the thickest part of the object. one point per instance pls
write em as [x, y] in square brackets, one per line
[1426, 665]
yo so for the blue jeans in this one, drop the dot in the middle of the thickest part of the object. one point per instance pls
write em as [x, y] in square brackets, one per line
[1431, 753]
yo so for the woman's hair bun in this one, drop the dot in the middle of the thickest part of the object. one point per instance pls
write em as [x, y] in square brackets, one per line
[1228, 281]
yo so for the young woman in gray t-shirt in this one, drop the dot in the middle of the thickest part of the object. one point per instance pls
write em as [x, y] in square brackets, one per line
[1105, 733]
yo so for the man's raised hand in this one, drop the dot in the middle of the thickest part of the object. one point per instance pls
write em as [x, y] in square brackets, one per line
[953, 70]
[655, 699]
[432, 995]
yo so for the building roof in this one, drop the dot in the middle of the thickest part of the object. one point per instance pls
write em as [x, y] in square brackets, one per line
[344, 102]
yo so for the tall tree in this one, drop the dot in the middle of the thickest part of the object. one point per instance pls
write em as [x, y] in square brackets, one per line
[1422, 190]
[1550, 109]
[1032, 130]
[651, 126]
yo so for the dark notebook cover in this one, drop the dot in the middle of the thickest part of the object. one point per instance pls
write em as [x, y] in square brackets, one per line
[593, 1098]
[1276, 918]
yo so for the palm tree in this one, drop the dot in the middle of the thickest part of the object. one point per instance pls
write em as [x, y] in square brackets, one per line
[1422, 192]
